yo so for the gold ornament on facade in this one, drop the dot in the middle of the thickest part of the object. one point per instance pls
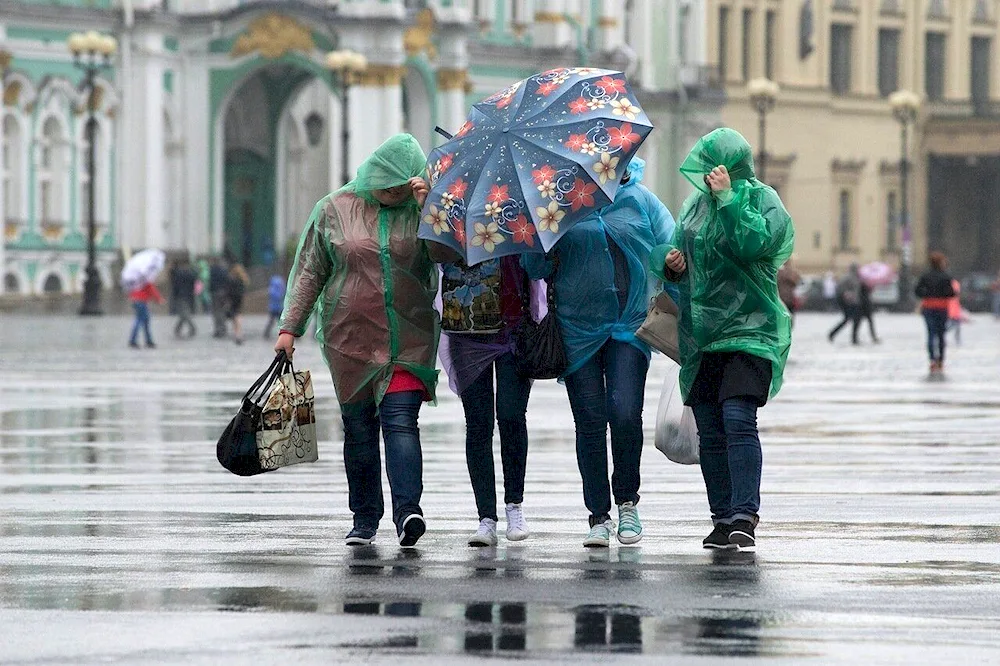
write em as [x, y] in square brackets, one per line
[380, 76]
[273, 35]
[607, 22]
[452, 79]
[549, 17]
[12, 93]
[420, 37]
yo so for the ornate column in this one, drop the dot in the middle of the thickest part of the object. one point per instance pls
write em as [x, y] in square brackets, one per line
[551, 28]
[452, 85]
[610, 25]
[376, 109]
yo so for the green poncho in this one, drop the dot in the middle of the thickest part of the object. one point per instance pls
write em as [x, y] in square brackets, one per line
[370, 279]
[734, 246]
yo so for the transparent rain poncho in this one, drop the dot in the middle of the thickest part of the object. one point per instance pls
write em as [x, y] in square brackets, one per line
[370, 280]
[734, 246]
[586, 298]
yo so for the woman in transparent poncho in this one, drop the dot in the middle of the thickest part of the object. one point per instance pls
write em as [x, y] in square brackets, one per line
[372, 284]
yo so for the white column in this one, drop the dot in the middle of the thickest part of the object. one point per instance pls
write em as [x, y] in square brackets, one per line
[197, 167]
[611, 28]
[452, 78]
[550, 27]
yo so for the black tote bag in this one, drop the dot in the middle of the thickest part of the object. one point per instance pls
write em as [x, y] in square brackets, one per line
[538, 347]
[237, 448]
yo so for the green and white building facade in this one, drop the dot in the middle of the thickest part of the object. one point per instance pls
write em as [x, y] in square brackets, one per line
[219, 125]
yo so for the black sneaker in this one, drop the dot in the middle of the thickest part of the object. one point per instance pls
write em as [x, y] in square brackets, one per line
[411, 529]
[360, 536]
[719, 538]
[741, 536]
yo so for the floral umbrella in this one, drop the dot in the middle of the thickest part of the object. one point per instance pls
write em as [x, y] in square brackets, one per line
[531, 161]
[877, 273]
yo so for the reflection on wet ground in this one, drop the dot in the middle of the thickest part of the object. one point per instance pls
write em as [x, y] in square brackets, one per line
[879, 533]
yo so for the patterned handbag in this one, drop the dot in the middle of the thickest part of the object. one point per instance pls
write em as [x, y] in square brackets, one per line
[287, 435]
[470, 298]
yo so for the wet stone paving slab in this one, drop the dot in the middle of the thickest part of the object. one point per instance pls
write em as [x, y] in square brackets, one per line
[122, 540]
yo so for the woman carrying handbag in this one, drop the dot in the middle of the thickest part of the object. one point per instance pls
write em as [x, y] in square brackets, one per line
[601, 295]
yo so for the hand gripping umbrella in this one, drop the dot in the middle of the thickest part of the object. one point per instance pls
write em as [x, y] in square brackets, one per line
[531, 161]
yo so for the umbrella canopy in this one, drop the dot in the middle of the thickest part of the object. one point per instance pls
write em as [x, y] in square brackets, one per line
[531, 161]
[142, 268]
[877, 273]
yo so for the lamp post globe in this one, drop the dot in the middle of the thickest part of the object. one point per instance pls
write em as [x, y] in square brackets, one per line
[763, 95]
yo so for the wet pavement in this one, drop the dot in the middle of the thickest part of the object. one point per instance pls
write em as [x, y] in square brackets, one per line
[122, 541]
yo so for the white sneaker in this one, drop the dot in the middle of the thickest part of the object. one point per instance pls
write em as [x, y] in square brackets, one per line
[600, 535]
[517, 526]
[486, 535]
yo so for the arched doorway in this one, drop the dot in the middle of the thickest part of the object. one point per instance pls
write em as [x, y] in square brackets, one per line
[256, 130]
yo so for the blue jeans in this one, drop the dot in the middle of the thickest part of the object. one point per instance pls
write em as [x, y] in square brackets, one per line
[141, 322]
[608, 389]
[511, 405]
[937, 324]
[730, 458]
[397, 419]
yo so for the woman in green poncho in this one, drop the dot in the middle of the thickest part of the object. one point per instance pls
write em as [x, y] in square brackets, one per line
[372, 283]
[733, 236]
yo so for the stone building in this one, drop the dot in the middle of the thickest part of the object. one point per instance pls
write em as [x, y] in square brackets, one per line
[220, 126]
[833, 145]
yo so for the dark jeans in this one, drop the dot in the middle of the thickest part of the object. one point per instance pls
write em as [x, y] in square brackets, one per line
[730, 458]
[852, 314]
[184, 311]
[937, 324]
[608, 389]
[511, 405]
[397, 419]
[141, 322]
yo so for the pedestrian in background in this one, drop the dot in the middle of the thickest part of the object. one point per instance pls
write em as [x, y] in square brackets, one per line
[373, 283]
[202, 290]
[599, 270]
[238, 283]
[735, 333]
[955, 313]
[830, 291]
[218, 284]
[483, 306]
[788, 281]
[849, 300]
[935, 290]
[995, 287]
[183, 279]
[141, 298]
[866, 309]
[275, 302]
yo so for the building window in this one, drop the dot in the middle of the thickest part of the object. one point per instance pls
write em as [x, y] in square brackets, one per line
[13, 148]
[981, 13]
[770, 25]
[888, 61]
[934, 65]
[845, 222]
[723, 41]
[52, 176]
[982, 48]
[840, 58]
[937, 9]
[747, 39]
[891, 221]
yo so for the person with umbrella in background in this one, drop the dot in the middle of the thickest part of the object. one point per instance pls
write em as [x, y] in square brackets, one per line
[525, 174]
[138, 277]
[734, 331]
[372, 284]
[849, 300]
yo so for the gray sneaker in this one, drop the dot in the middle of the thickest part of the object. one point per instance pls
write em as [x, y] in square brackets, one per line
[600, 535]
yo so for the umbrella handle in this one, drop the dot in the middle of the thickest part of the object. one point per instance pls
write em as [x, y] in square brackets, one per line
[443, 132]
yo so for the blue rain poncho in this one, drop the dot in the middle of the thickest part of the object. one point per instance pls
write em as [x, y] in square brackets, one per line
[734, 246]
[586, 299]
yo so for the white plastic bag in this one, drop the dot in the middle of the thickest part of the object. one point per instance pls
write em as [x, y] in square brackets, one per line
[676, 430]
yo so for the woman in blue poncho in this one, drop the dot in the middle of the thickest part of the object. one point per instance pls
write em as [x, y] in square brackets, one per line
[598, 271]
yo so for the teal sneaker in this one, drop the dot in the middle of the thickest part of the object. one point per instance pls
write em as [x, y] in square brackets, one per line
[600, 535]
[629, 526]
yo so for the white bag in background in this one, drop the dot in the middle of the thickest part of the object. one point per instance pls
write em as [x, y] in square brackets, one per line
[676, 430]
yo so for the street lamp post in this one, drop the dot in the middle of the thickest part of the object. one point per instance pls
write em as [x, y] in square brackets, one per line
[91, 53]
[763, 94]
[905, 107]
[5, 58]
[345, 65]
